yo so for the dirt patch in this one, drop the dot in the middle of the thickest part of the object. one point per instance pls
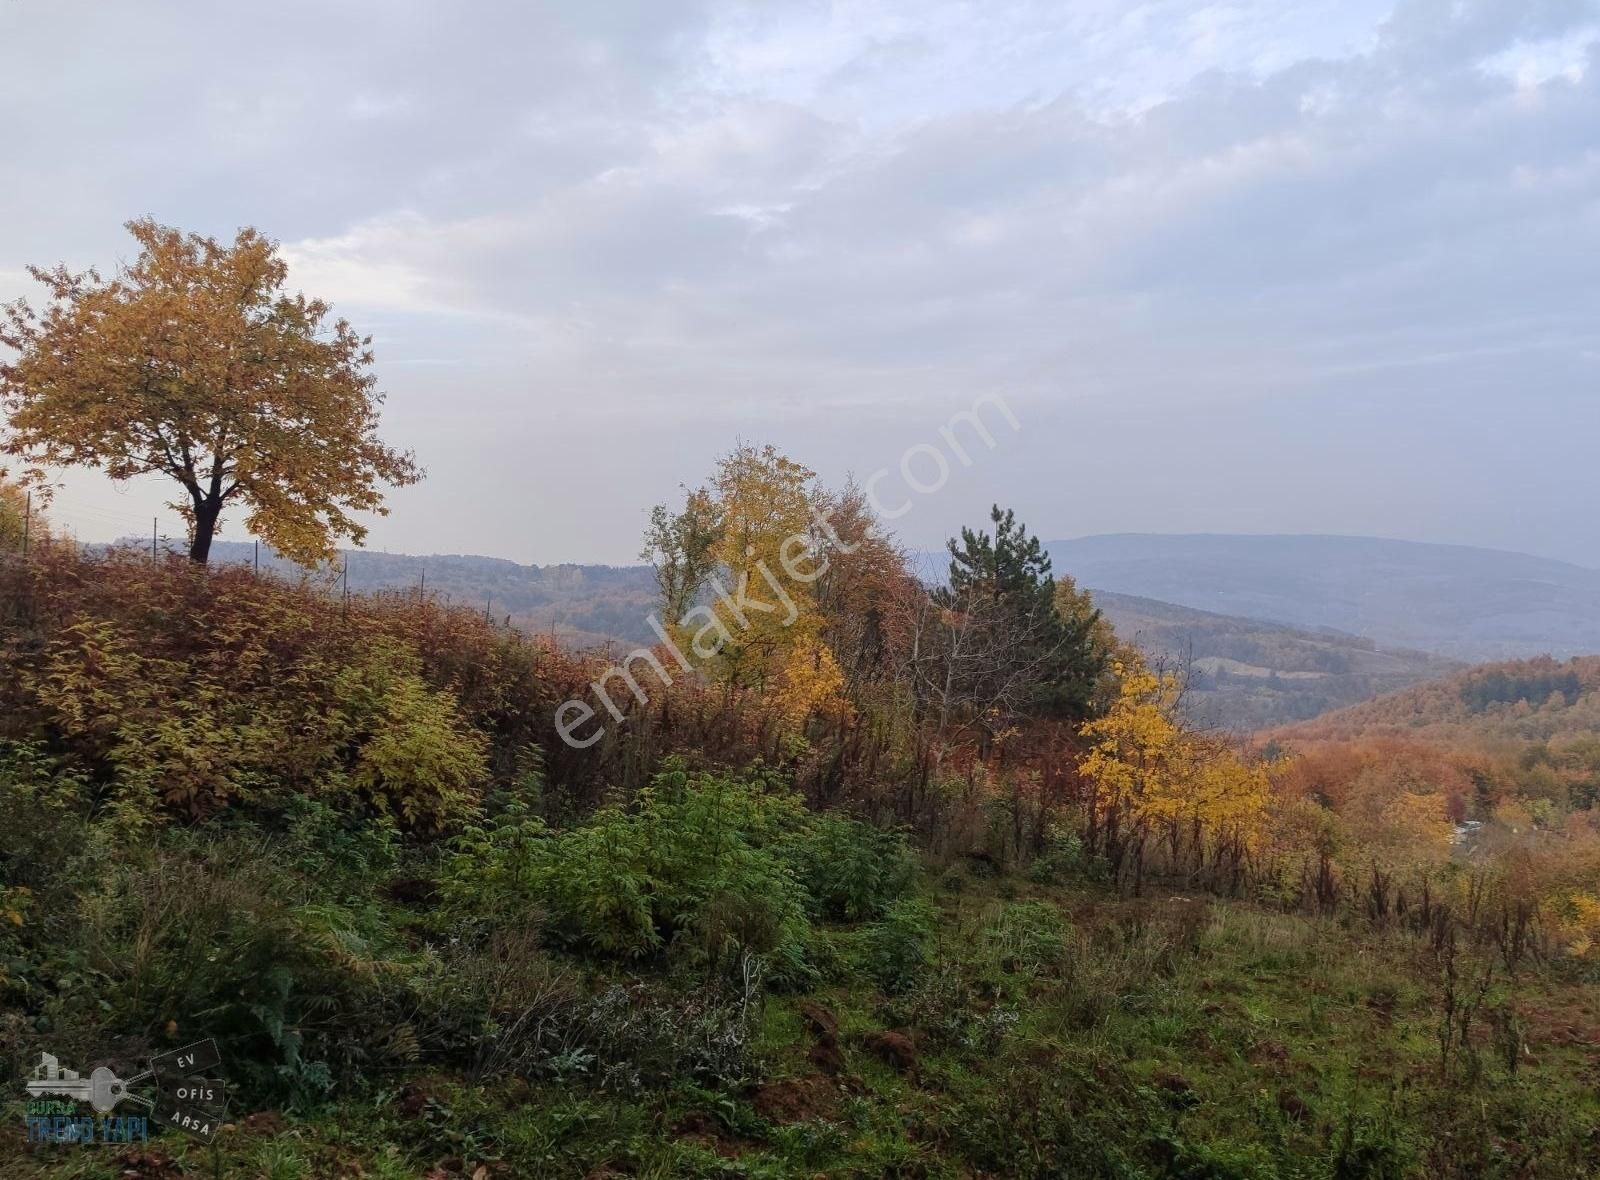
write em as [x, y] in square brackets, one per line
[819, 1022]
[797, 1100]
[1172, 1081]
[827, 1057]
[1293, 1106]
[262, 1122]
[700, 1127]
[823, 1025]
[416, 1096]
[1269, 1055]
[1383, 1003]
[147, 1164]
[1554, 1026]
[1177, 1089]
[895, 1048]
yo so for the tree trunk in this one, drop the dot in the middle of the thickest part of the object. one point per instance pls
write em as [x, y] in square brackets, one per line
[206, 513]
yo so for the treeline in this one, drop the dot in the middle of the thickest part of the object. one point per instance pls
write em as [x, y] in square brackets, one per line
[1536, 700]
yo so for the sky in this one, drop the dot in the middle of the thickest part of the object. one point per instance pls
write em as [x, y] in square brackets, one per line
[1260, 266]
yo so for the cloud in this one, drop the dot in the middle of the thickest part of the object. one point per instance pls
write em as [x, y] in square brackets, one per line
[810, 222]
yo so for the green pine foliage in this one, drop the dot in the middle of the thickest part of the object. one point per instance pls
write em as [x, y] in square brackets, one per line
[1004, 579]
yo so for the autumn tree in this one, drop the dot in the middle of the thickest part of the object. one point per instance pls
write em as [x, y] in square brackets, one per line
[1090, 635]
[863, 590]
[738, 567]
[15, 524]
[677, 546]
[1156, 786]
[1135, 762]
[194, 363]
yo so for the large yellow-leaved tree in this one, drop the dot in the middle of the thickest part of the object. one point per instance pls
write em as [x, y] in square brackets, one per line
[738, 568]
[1150, 777]
[194, 363]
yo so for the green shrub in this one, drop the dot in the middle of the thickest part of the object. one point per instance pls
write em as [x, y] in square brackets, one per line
[595, 884]
[898, 948]
[411, 753]
[1062, 861]
[195, 938]
[341, 853]
[632, 1038]
[693, 867]
[851, 870]
[496, 869]
[946, 1010]
[1067, 1120]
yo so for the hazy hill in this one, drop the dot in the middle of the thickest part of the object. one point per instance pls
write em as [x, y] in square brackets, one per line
[1469, 604]
[1249, 674]
[583, 605]
[1509, 703]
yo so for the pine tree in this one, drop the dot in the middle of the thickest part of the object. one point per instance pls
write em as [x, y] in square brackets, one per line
[1006, 579]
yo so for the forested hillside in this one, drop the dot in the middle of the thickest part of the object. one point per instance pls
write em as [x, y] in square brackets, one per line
[1520, 701]
[578, 605]
[1246, 674]
[774, 924]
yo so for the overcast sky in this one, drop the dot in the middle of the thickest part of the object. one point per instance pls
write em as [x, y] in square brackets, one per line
[1261, 266]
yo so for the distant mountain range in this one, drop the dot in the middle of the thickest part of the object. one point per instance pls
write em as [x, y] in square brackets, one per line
[1467, 604]
[1274, 629]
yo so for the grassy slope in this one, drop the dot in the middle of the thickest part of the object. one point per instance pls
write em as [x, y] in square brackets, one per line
[1166, 1037]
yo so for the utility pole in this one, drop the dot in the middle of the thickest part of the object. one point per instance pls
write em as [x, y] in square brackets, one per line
[155, 523]
[347, 585]
[27, 521]
[258, 559]
[422, 591]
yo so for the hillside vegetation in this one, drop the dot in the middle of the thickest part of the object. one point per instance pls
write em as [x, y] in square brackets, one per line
[849, 874]
[581, 606]
[1247, 674]
[343, 838]
[1511, 703]
[1464, 603]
